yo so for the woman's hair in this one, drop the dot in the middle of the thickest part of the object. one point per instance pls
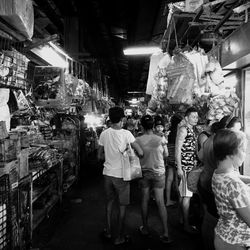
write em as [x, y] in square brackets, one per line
[233, 121]
[228, 121]
[215, 127]
[175, 120]
[147, 122]
[227, 142]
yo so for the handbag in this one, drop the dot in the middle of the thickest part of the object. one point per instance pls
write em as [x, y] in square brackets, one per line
[131, 167]
[193, 178]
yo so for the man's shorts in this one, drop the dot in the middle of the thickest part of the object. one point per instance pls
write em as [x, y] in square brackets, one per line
[183, 189]
[152, 180]
[117, 187]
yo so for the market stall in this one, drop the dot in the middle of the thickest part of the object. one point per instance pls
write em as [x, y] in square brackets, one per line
[41, 112]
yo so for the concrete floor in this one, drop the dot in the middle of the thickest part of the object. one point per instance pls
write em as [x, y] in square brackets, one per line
[77, 223]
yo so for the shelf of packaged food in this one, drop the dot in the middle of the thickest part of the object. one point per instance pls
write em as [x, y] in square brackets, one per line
[40, 214]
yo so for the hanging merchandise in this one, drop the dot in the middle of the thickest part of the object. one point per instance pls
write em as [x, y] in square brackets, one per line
[215, 78]
[49, 87]
[199, 59]
[181, 76]
[22, 102]
[4, 108]
[159, 85]
[71, 83]
[13, 68]
[79, 92]
[222, 105]
[153, 68]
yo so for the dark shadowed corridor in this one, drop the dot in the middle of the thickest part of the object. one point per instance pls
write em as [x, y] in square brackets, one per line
[78, 222]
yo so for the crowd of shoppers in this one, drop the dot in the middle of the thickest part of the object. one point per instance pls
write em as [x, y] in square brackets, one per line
[219, 149]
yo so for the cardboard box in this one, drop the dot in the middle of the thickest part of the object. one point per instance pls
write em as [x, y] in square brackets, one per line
[8, 150]
[11, 168]
[23, 159]
[20, 14]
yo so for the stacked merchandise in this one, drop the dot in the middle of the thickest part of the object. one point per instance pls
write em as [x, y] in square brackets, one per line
[5, 237]
[49, 87]
[191, 78]
[42, 158]
[13, 69]
[46, 132]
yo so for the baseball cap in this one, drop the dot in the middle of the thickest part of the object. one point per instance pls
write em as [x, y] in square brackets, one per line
[147, 122]
[159, 121]
[115, 114]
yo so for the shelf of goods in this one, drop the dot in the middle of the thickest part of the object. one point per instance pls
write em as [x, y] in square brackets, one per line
[67, 143]
[46, 191]
[5, 212]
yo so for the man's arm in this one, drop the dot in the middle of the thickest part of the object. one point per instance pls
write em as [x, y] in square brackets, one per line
[100, 153]
[137, 148]
[180, 138]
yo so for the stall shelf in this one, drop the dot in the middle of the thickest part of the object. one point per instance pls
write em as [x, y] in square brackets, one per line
[5, 213]
[46, 192]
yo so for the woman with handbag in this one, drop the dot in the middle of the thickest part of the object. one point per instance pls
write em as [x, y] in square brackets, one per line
[153, 172]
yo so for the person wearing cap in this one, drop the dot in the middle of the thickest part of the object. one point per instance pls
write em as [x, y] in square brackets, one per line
[153, 172]
[112, 142]
[159, 125]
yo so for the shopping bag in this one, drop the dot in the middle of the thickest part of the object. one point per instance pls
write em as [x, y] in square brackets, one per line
[131, 166]
[193, 178]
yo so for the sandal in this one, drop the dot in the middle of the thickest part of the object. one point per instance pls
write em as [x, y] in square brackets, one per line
[165, 239]
[122, 241]
[143, 232]
[191, 230]
[105, 235]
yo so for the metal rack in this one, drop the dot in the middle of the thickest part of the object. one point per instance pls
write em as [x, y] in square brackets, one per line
[5, 215]
[38, 215]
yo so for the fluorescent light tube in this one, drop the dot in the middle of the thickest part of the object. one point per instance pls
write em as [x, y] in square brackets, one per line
[241, 8]
[141, 51]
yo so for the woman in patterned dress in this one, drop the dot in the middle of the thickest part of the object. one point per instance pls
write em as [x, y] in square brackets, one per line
[232, 195]
[186, 159]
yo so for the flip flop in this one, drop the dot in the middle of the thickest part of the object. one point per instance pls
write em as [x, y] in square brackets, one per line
[165, 239]
[105, 235]
[191, 230]
[122, 241]
[142, 232]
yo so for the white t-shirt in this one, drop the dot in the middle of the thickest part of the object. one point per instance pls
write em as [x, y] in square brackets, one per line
[114, 142]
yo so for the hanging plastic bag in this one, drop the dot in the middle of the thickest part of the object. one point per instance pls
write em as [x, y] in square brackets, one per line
[131, 166]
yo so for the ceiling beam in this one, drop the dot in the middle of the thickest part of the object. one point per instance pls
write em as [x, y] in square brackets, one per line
[228, 14]
[45, 6]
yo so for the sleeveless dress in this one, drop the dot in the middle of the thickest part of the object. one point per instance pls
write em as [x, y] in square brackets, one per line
[188, 161]
[188, 151]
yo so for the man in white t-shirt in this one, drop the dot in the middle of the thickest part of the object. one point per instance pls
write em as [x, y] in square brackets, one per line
[112, 142]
